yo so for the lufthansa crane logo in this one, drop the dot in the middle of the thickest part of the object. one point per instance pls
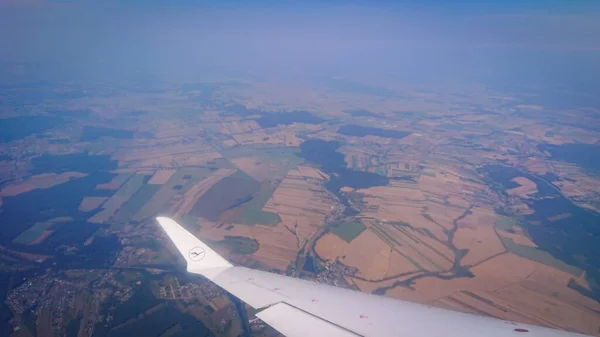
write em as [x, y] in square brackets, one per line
[197, 253]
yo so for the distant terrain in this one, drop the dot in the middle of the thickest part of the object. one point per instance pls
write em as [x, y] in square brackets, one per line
[489, 209]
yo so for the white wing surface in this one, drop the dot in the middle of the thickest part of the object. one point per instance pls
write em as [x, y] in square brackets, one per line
[299, 308]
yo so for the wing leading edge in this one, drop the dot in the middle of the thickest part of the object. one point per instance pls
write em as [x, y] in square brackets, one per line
[299, 308]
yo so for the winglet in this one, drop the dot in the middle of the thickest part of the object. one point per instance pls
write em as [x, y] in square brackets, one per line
[199, 256]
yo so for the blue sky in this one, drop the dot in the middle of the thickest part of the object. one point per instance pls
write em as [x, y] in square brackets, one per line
[512, 41]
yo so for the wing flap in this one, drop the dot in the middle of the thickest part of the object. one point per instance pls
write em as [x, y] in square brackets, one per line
[244, 284]
[293, 322]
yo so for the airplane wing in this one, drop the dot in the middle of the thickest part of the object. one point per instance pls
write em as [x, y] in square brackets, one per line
[299, 308]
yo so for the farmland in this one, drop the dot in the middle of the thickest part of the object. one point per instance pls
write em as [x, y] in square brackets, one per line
[437, 198]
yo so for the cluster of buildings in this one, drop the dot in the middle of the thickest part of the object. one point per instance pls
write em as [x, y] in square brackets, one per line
[176, 291]
[44, 295]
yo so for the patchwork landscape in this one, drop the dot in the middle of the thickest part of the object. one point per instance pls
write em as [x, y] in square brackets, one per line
[472, 201]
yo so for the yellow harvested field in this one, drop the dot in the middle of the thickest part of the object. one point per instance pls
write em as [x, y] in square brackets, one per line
[91, 203]
[497, 272]
[421, 249]
[399, 265]
[527, 187]
[434, 203]
[477, 234]
[510, 287]
[436, 251]
[479, 302]
[429, 208]
[482, 243]
[419, 258]
[161, 177]
[399, 203]
[546, 310]
[507, 267]
[331, 247]
[39, 181]
[253, 166]
[369, 254]
[277, 246]
[301, 202]
[441, 215]
[393, 194]
[278, 254]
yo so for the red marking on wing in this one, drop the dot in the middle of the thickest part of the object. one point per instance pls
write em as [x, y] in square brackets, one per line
[315, 300]
[364, 316]
[275, 289]
[521, 330]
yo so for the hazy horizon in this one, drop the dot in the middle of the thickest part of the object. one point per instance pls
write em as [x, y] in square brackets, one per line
[551, 43]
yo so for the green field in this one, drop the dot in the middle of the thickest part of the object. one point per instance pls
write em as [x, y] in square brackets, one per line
[347, 231]
[240, 244]
[504, 223]
[534, 254]
[428, 173]
[538, 255]
[179, 183]
[131, 186]
[31, 233]
[253, 213]
[228, 194]
[121, 178]
[137, 201]
[127, 190]
[279, 159]
[34, 232]
[240, 194]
